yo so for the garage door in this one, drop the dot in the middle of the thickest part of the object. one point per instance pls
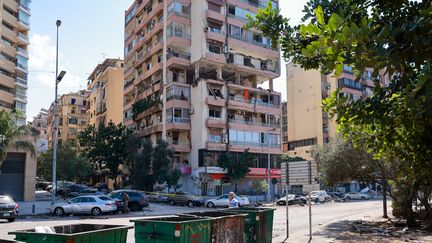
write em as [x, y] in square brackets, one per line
[12, 176]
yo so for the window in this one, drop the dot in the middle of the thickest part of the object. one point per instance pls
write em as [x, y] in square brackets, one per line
[215, 138]
[73, 111]
[175, 138]
[20, 105]
[235, 30]
[84, 102]
[73, 120]
[215, 112]
[73, 101]
[231, 9]
[215, 48]
[214, 7]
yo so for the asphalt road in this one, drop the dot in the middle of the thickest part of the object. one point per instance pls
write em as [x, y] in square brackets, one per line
[324, 220]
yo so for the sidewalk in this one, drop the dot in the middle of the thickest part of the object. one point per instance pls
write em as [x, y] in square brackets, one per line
[35, 207]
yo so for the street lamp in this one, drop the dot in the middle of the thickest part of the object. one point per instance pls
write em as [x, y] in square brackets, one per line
[58, 78]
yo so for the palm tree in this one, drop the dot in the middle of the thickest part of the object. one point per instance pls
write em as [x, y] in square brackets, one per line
[13, 136]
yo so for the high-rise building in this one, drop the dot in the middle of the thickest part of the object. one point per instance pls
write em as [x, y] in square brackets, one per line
[308, 124]
[105, 101]
[199, 90]
[14, 29]
[72, 117]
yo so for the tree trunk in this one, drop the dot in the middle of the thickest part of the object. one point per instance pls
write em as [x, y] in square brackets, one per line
[384, 192]
[235, 188]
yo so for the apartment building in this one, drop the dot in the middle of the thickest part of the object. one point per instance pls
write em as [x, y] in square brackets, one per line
[14, 29]
[199, 90]
[72, 117]
[308, 124]
[40, 124]
[105, 101]
[285, 126]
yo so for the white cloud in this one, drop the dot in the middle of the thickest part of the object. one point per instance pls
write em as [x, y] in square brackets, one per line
[42, 74]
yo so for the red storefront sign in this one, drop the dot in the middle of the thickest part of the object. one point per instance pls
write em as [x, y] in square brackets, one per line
[262, 172]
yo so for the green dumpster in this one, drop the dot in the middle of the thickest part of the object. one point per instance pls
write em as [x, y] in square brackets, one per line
[76, 233]
[178, 229]
[258, 223]
[225, 226]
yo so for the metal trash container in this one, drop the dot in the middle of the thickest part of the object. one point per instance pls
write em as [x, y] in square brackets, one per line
[258, 223]
[178, 229]
[225, 226]
[76, 233]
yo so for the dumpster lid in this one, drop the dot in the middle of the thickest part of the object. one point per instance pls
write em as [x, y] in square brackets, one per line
[248, 209]
[172, 219]
[74, 229]
[214, 214]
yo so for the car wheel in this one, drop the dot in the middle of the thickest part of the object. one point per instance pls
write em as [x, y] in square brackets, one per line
[171, 202]
[59, 211]
[134, 207]
[363, 198]
[348, 198]
[96, 211]
[190, 204]
[210, 205]
[11, 220]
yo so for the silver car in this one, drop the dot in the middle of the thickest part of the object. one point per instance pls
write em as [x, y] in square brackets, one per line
[95, 205]
[223, 201]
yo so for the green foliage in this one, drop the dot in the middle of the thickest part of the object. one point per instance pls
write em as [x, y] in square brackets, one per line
[13, 136]
[260, 185]
[173, 177]
[70, 166]
[106, 148]
[143, 105]
[141, 176]
[162, 157]
[339, 161]
[395, 123]
[286, 158]
[237, 171]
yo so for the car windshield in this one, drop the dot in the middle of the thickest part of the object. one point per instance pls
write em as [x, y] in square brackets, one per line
[5, 199]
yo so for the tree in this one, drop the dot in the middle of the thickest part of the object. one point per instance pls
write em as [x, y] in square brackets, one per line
[237, 171]
[106, 147]
[162, 157]
[172, 178]
[70, 166]
[395, 123]
[141, 176]
[260, 185]
[13, 136]
[285, 158]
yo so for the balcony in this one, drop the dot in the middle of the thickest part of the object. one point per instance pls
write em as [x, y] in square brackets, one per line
[146, 20]
[7, 81]
[22, 52]
[8, 17]
[8, 33]
[215, 15]
[21, 81]
[249, 45]
[179, 146]
[211, 100]
[24, 7]
[23, 38]
[178, 59]
[23, 25]
[255, 123]
[7, 64]
[216, 57]
[178, 123]
[13, 4]
[215, 123]
[6, 96]
[254, 65]
[216, 34]
[215, 146]
[255, 147]
[142, 132]
[9, 50]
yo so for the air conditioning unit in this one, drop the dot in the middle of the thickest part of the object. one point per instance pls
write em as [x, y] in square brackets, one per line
[225, 138]
[225, 49]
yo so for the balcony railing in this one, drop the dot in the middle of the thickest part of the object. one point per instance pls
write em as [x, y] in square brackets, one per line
[128, 83]
[252, 41]
[255, 123]
[23, 36]
[22, 66]
[22, 52]
[20, 96]
[178, 120]
[252, 101]
[21, 81]
[25, 7]
[255, 144]
[178, 54]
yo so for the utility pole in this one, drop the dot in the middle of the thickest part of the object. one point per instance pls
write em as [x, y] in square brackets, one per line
[54, 166]
[268, 147]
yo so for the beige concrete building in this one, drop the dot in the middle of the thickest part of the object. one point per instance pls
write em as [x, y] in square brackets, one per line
[199, 89]
[73, 118]
[308, 124]
[105, 101]
[14, 28]
[40, 124]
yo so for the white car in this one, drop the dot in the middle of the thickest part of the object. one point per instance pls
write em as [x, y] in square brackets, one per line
[95, 205]
[222, 201]
[319, 196]
[357, 195]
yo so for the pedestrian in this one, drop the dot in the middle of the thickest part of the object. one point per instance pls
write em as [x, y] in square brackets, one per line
[233, 202]
[125, 202]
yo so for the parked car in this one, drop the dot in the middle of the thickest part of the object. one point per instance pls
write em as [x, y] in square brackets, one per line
[357, 195]
[223, 201]
[158, 197]
[319, 196]
[185, 198]
[137, 199]
[8, 208]
[95, 205]
[337, 196]
[292, 199]
[103, 187]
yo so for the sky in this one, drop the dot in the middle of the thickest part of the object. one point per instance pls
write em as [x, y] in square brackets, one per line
[90, 32]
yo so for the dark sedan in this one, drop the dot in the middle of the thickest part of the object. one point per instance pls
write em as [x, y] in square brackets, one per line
[8, 208]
